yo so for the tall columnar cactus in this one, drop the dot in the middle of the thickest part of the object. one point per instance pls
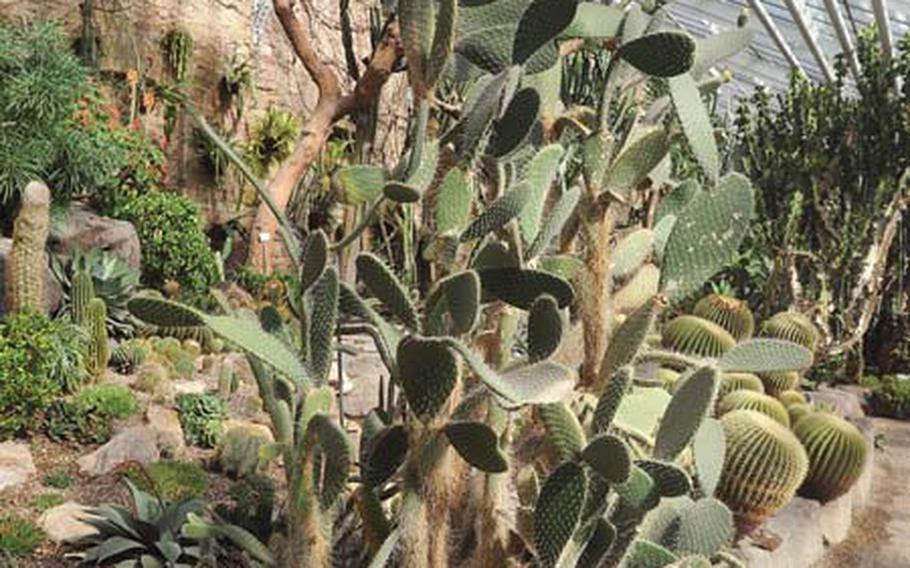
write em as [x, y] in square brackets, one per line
[99, 348]
[837, 455]
[28, 261]
[792, 326]
[729, 313]
[83, 292]
[751, 400]
[697, 336]
[764, 465]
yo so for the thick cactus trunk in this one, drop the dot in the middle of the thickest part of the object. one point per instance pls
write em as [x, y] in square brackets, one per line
[596, 299]
[25, 277]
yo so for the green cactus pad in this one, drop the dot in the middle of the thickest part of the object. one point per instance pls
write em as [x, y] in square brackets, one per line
[164, 313]
[323, 319]
[386, 452]
[663, 54]
[359, 183]
[691, 402]
[628, 338]
[554, 223]
[693, 335]
[500, 212]
[837, 455]
[791, 397]
[776, 383]
[751, 400]
[557, 511]
[707, 235]
[336, 457]
[516, 124]
[677, 200]
[610, 398]
[764, 466]
[762, 355]
[705, 527]
[639, 491]
[647, 554]
[711, 50]
[401, 192]
[638, 290]
[594, 20]
[544, 328]
[520, 287]
[460, 295]
[669, 479]
[250, 337]
[708, 450]
[729, 313]
[609, 457]
[315, 258]
[454, 201]
[637, 159]
[792, 326]
[730, 382]
[696, 123]
[478, 444]
[539, 26]
[564, 432]
[631, 252]
[428, 372]
[385, 286]
[540, 173]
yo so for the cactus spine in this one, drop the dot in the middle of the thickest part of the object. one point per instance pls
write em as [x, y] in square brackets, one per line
[83, 292]
[763, 467]
[99, 349]
[26, 270]
[837, 455]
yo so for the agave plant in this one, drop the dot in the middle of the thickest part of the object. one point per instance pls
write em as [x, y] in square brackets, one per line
[113, 280]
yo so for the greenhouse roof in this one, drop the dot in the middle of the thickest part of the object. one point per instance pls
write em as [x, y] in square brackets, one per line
[763, 63]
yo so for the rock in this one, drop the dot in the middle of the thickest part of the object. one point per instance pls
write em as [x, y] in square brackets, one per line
[863, 487]
[169, 434]
[66, 522]
[84, 229]
[189, 387]
[53, 292]
[800, 534]
[136, 444]
[239, 446]
[848, 403]
[835, 517]
[16, 464]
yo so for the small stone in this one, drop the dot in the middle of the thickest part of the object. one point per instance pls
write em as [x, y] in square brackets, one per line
[136, 444]
[16, 464]
[189, 387]
[66, 522]
[166, 424]
[835, 517]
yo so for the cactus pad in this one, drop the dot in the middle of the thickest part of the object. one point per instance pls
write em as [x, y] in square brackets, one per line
[385, 286]
[428, 372]
[520, 287]
[705, 527]
[609, 457]
[385, 453]
[478, 444]
[691, 402]
[837, 455]
[628, 339]
[315, 257]
[544, 328]
[663, 54]
[558, 511]
[631, 252]
[729, 313]
[697, 336]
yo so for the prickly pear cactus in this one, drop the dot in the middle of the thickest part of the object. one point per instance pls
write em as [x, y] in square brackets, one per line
[27, 263]
[729, 313]
[697, 336]
[764, 466]
[837, 455]
[99, 349]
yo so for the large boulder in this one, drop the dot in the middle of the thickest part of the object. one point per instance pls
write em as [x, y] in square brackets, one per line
[16, 464]
[53, 292]
[67, 522]
[84, 229]
[166, 424]
[136, 444]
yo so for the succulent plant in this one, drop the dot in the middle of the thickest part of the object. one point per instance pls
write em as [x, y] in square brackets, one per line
[798, 411]
[780, 381]
[759, 402]
[731, 382]
[764, 466]
[792, 326]
[729, 313]
[83, 292]
[696, 336]
[99, 350]
[27, 261]
[837, 455]
[791, 397]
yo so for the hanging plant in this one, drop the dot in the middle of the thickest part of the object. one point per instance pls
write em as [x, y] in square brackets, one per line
[272, 139]
[177, 46]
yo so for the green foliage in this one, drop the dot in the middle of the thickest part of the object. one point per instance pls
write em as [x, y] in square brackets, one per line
[172, 481]
[174, 248]
[19, 537]
[387, 288]
[837, 455]
[889, 395]
[58, 479]
[127, 357]
[45, 501]
[177, 45]
[478, 444]
[202, 417]
[272, 140]
[253, 503]
[114, 401]
[69, 420]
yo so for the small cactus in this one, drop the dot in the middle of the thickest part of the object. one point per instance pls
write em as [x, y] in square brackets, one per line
[128, 356]
[792, 326]
[83, 292]
[776, 383]
[729, 313]
[731, 382]
[28, 261]
[697, 336]
[763, 467]
[798, 411]
[837, 455]
[99, 349]
[790, 397]
[751, 400]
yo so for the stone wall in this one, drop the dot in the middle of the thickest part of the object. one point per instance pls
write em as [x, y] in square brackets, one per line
[130, 34]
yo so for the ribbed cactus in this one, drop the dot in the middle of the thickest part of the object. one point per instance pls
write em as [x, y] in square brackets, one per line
[751, 400]
[837, 455]
[729, 313]
[697, 336]
[790, 397]
[764, 465]
[792, 326]
[798, 411]
[780, 381]
[99, 349]
[129, 356]
[27, 261]
[83, 292]
[731, 382]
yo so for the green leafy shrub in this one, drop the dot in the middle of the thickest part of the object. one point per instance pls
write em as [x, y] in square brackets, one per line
[252, 505]
[202, 417]
[114, 401]
[58, 479]
[69, 421]
[30, 368]
[173, 481]
[174, 248]
[18, 536]
[889, 395]
[46, 501]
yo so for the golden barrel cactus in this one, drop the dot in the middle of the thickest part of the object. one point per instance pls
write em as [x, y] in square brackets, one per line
[751, 400]
[731, 382]
[693, 335]
[792, 326]
[730, 313]
[780, 381]
[764, 466]
[837, 455]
